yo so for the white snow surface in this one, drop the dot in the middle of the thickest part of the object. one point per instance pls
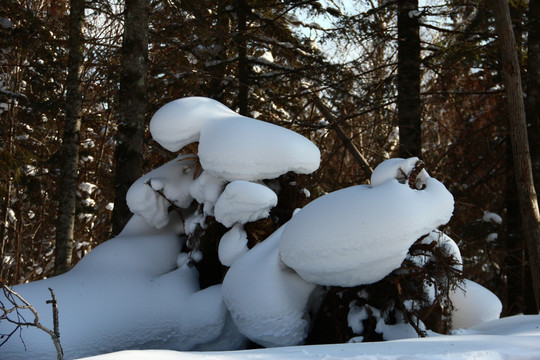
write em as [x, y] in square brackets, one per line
[172, 180]
[206, 189]
[251, 149]
[512, 338]
[127, 293]
[244, 201]
[268, 301]
[179, 122]
[232, 245]
[232, 146]
[367, 233]
[474, 305]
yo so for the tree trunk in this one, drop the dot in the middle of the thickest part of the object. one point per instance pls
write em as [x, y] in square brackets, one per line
[533, 88]
[528, 203]
[241, 11]
[131, 127]
[408, 99]
[71, 141]
[221, 36]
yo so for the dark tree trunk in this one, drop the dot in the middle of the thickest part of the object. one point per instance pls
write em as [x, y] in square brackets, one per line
[131, 127]
[241, 11]
[70, 142]
[528, 203]
[408, 99]
[533, 88]
[519, 297]
[218, 71]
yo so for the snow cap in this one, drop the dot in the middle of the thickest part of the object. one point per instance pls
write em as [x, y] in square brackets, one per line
[243, 148]
[244, 201]
[179, 122]
[360, 234]
[473, 305]
[232, 146]
[149, 196]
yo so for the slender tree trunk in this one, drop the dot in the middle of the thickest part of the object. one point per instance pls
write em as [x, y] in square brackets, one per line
[519, 288]
[218, 71]
[528, 202]
[5, 221]
[70, 142]
[408, 99]
[131, 127]
[8, 186]
[533, 87]
[241, 11]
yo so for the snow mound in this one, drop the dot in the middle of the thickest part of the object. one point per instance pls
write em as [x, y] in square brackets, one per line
[232, 245]
[206, 189]
[491, 217]
[358, 235]
[243, 148]
[268, 301]
[232, 146]
[244, 201]
[447, 243]
[395, 168]
[126, 293]
[179, 122]
[172, 180]
[474, 305]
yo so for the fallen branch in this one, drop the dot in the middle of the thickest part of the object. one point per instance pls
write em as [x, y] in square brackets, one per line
[12, 296]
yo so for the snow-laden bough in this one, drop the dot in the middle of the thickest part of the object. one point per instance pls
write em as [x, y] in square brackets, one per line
[473, 305]
[127, 293]
[268, 302]
[358, 235]
[152, 194]
[232, 146]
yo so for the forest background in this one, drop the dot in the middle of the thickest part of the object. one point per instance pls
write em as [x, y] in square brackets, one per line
[364, 80]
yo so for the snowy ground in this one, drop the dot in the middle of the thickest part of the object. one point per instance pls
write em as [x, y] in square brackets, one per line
[516, 337]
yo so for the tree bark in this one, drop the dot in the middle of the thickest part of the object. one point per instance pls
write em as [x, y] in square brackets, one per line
[241, 11]
[70, 142]
[408, 78]
[222, 38]
[528, 202]
[131, 127]
[533, 88]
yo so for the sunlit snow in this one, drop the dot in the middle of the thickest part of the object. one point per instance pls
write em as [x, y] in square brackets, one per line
[516, 337]
[369, 230]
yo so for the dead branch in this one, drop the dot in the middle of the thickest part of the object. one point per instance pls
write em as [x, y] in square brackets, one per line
[12, 296]
[418, 167]
[360, 159]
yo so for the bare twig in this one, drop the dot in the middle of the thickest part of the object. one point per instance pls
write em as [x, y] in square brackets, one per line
[173, 205]
[12, 297]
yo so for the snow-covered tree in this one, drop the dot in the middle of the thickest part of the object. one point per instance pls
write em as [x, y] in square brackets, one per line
[142, 289]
